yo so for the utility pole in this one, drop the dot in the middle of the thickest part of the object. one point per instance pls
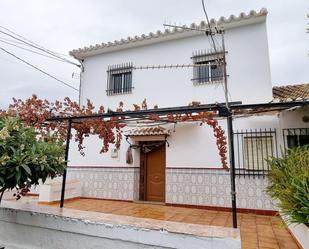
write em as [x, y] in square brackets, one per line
[228, 112]
[230, 137]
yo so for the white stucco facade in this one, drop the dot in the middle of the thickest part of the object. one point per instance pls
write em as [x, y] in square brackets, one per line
[247, 66]
[193, 169]
[249, 81]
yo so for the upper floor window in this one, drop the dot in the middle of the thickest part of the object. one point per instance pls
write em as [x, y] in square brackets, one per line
[208, 67]
[119, 79]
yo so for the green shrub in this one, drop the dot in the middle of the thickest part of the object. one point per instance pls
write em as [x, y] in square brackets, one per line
[289, 184]
[26, 158]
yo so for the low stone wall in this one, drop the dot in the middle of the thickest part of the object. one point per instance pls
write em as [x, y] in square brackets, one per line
[51, 190]
[107, 183]
[300, 232]
[209, 187]
[205, 187]
[24, 226]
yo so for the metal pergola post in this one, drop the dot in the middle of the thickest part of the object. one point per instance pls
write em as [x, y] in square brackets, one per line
[66, 157]
[229, 119]
[232, 166]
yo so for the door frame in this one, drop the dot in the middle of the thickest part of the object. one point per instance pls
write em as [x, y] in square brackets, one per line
[143, 172]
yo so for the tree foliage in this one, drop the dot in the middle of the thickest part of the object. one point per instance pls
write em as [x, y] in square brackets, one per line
[289, 184]
[25, 157]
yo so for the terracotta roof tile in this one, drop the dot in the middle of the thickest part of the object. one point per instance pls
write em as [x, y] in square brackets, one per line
[221, 22]
[291, 92]
[147, 131]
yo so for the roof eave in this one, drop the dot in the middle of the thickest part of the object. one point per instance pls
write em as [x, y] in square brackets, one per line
[143, 40]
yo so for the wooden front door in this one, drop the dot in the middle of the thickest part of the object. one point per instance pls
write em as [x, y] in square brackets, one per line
[153, 175]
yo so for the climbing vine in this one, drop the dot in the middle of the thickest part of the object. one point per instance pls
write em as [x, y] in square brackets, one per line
[205, 118]
[34, 112]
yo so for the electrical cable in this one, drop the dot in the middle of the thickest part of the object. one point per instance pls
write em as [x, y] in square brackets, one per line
[209, 27]
[39, 48]
[225, 89]
[42, 71]
[24, 38]
[14, 41]
[29, 50]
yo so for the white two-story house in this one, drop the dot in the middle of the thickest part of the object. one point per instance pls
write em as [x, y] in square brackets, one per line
[178, 163]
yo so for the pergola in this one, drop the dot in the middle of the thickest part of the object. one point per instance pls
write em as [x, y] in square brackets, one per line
[234, 109]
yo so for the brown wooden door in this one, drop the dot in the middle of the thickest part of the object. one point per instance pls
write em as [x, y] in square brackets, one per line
[154, 173]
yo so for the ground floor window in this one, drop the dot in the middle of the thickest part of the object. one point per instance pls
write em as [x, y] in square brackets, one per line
[257, 150]
[252, 148]
[295, 137]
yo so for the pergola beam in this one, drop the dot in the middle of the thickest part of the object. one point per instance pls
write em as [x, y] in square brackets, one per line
[145, 115]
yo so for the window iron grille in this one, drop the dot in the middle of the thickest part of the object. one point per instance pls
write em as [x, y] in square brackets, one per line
[119, 79]
[210, 67]
[294, 137]
[252, 149]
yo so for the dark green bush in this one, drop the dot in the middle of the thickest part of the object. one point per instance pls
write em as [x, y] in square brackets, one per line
[26, 158]
[289, 184]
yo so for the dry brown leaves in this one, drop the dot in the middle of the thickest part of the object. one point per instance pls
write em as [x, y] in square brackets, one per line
[34, 112]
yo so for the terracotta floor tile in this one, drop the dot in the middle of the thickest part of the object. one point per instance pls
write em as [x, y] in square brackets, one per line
[257, 231]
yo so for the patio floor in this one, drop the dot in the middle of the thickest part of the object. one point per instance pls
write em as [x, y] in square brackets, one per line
[257, 231]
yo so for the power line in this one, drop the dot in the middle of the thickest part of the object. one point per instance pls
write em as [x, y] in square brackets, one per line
[225, 88]
[29, 64]
[29, 50]
[39, 48]
[11, 40]
[209, 27]
[24, 38]
[8, 60]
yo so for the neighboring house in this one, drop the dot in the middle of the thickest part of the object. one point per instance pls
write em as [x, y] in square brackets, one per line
[186, 169]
